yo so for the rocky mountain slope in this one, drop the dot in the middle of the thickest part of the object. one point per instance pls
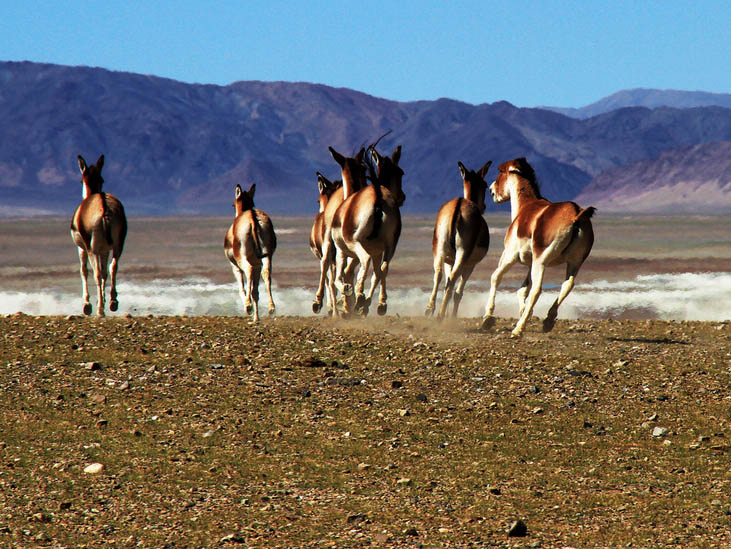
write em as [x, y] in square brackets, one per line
[173, 147]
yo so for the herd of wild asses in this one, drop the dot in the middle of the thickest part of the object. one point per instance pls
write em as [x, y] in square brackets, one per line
[358, 226]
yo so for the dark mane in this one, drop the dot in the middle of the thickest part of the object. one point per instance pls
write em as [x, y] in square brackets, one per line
[526, 171]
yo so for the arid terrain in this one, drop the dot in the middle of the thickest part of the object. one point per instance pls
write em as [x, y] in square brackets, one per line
[182, 430]
[384, 432]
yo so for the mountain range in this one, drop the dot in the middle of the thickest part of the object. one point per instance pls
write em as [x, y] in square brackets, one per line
[173, 147]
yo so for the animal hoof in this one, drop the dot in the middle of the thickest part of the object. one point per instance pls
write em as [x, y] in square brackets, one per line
[317, 306]
[487, 323]
[548, 324]
[516, 334]
[347, 289]
[272, 310]
[249, 309]
[382, 307]
[87, 308]
[330, 312]
[113, 305]
[429, 311]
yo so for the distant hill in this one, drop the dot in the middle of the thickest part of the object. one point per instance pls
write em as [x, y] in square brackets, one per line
[173, 147]
[650, 98]
[690, 180]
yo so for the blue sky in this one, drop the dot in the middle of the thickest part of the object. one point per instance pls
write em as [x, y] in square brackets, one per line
[530, 53]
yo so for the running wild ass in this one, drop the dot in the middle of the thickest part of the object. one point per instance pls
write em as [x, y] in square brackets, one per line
[317, 234]
[461, 239]
[98, 227]
[541, 234]
[249, 246]
[366, 227]
[353, 179]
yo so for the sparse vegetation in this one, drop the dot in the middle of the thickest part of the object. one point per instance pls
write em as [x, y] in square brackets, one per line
[385, 432]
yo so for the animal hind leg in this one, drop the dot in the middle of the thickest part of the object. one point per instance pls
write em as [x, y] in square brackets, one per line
[438, 265]
[537, 272]
[454, 275]
[459, 290]
[99, 264]
[252, 298]
[523, 293]
[566, 287]
[507, 260]
[113, 303]
[84, 271]
[267, 276]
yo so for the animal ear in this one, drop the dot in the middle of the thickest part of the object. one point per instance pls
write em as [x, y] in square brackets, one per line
[396, 156]
[322, 183]
[462, 170]
[237, 193]
[376, 157]
[339, 158]
[483, 170]
[359, 156]
[100, 163]
[82, 163]
[252, 190]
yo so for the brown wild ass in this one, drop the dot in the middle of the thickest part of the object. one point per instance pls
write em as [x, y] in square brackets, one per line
[317, 234]
[541, 234]
[249, 246]
[366, 227]
[461, 238]
[353, 179]
[98, 227]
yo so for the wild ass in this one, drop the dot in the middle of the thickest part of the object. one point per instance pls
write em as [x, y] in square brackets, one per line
[461, 238]
[98, 227]
[249, 246]
[317, 234]
[541, 234]
[366, 227]
[353, 179]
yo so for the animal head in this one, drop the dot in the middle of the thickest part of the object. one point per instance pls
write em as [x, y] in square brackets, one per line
[244, 200]
[326, 188]
[389, 173]
[353, 170]
[474, 184]
[91, 176]
[509, 174]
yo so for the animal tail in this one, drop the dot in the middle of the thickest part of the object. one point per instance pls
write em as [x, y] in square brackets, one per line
[453, 225]
[256, 233]
[584, 214]
[377, 220]
[106, 222]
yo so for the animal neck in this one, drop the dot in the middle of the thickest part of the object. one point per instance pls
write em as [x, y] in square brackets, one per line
[472, 194]
[323, 202]
[350, 186]
[87, 191]
[240, 208]
[521, 194]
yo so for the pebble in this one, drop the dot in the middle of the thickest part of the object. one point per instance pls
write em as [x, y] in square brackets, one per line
[404, 482]
[93, 468]
[411, 531]
[92, 366]
[518, 529]
[660, 432]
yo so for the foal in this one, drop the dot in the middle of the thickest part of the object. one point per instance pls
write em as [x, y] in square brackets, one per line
[98, 227]
[317, 234]
[249, 246]
[366, 227]
[461, 238]
[541, 234]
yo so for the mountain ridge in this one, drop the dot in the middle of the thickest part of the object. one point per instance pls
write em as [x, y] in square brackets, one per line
[173, 147]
